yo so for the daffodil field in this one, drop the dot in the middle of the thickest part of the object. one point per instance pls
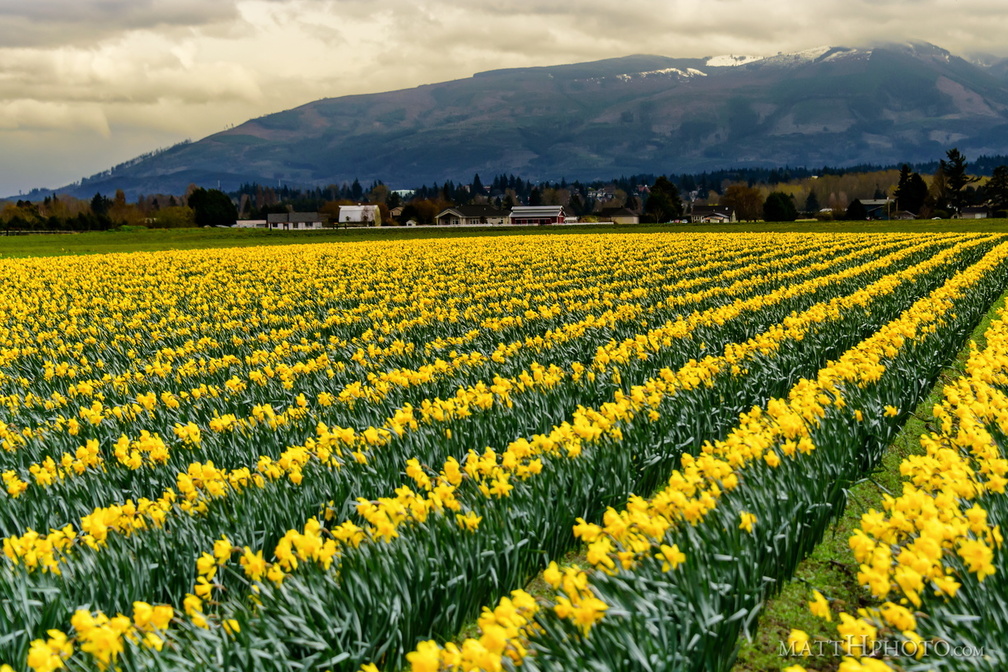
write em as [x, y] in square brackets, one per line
[343, 456]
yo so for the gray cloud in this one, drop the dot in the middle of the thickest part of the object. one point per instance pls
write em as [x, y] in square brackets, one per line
[46, 23]
[102, 75]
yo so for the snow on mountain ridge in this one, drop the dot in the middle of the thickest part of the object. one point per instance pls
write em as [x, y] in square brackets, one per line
[850, 53]
[731, 60]
[797, 57]
[687, 73]
[787, 58]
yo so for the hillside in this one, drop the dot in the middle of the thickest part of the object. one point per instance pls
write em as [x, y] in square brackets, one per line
[638, 114]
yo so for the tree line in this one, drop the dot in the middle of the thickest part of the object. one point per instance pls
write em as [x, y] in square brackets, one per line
[197, 207]
[772, 194]
[945, 192]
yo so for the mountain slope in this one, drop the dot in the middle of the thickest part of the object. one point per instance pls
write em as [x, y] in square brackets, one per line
[827, 106]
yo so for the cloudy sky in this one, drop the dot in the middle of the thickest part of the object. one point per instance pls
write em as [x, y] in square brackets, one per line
[86, 84]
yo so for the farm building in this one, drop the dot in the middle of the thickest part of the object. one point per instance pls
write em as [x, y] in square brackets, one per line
[712, 214]
[878, 208]
[286, 220]
[251, 224]
[471, 215]
[619, 216]
[974, 212]
[359, 215]
[537, 215]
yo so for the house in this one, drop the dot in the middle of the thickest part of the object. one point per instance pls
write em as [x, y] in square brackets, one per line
[973, 212]
[251, 224]
[603, 195]
[295, 221]
[877, 208]
[359, 215]
[471, 215]
[712, 214]
[904, 214]
[537, 215]
[618, 216]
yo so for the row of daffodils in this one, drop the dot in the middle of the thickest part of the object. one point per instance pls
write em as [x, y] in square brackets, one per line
[933, 559]
[331, 457]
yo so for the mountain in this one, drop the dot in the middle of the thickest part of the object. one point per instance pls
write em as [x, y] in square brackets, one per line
[639, 114]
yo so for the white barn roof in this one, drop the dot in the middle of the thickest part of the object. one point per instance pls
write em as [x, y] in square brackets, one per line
[528, 211]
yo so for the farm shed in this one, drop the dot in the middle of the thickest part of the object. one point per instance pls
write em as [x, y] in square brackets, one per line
[471, 215]
[537, 215]
[295, 220]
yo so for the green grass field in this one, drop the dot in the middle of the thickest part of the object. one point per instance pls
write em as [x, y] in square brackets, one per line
[99, 242]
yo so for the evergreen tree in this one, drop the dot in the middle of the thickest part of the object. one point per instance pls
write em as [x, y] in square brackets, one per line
[576, 205]
[447, 192]
[956, 178]
[100, 205]
[663, 203]
[911, 192]
[779, 207]
[212, 208]
[901, 187]
[997, 189]
[812, 203]
[856, 211]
